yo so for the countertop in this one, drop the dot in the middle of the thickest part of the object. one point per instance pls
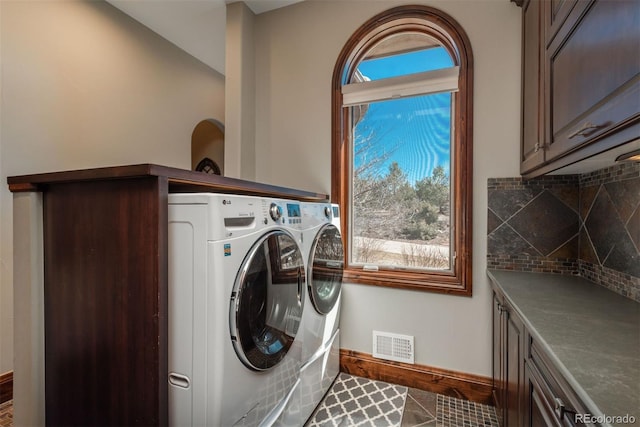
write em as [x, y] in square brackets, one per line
[178, 181]
[591, 333]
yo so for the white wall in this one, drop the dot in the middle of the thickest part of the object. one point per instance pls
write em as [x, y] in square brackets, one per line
[296, 50]
[83, 85]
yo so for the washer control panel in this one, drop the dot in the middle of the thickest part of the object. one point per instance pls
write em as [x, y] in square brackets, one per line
[285, 212]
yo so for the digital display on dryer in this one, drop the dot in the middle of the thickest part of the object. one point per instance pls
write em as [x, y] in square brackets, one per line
[293, 210]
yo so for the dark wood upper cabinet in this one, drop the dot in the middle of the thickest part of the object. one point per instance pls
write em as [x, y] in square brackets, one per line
[556, 12]
[581, 80]
[593, 69]
[532, 153]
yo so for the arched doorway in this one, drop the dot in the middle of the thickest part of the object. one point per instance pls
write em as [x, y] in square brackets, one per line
[207, 147]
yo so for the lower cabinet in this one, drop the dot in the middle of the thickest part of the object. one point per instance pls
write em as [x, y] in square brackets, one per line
[549, 399]
[537, 412]
[508, 363]
[528, 390]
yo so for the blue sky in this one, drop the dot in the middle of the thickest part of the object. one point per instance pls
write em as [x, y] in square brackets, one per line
[412, 131]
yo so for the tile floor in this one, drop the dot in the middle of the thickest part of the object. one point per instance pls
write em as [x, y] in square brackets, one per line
[354, 401]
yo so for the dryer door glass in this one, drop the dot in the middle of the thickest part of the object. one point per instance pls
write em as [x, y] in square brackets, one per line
[266, 303]
[327, 263]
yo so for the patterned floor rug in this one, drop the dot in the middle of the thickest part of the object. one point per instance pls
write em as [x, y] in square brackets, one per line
[360, 402]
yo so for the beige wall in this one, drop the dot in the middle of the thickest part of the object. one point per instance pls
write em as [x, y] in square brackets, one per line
[240, 160]
[83, 85]
[296, 50]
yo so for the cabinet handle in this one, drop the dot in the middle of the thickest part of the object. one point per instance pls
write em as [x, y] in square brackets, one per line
[585, 129]
[559, 407]
[536, 147]
[502, 309]
[561, 410]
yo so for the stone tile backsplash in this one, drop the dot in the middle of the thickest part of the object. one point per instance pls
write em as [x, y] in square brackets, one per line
[587, 225]
[610, 228]
[533, 225]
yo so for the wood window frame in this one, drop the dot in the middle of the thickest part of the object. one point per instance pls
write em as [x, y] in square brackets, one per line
[437, 24]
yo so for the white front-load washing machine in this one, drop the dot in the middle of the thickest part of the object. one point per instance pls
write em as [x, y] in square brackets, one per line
[236, 294]
[324, 255]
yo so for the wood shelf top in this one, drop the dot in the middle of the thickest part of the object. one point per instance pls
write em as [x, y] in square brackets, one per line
[179, 180]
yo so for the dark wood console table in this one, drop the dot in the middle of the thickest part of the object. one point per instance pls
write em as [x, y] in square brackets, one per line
[105, 287]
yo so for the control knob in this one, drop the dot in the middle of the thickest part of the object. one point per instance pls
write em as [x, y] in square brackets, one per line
[327, 211]
[275, 212]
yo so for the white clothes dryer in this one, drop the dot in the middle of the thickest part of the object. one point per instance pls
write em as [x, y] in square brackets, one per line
[236, 287]
[324, 255]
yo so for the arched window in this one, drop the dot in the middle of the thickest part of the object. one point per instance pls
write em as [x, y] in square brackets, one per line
[402, 151]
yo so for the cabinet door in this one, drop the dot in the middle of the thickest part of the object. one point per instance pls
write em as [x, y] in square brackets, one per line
[556, 13]
[105, 303]
[537, 412]
[514, 369]
[549, 391]
[532, 149]
[508, 364]
[592, 74]
[498, 359]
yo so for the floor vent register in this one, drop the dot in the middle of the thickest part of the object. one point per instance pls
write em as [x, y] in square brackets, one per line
[389, 346]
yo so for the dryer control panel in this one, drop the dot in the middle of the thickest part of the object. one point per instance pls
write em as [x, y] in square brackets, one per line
[315, 214]
[285, 212]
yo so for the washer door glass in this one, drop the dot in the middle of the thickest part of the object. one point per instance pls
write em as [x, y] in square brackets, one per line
[266, 302]
[326, 265]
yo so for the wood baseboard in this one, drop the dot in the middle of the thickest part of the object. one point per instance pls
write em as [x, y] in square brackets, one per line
[6, 387]
[471, 387]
